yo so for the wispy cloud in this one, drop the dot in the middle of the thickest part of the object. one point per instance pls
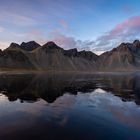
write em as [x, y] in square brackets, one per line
[2, 29]
[37, 20]
[62, 40]
[37, 35]
[125, 31]
[17, 19]
[64, 24]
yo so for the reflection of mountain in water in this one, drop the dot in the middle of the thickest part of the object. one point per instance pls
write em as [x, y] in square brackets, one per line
[49, 87]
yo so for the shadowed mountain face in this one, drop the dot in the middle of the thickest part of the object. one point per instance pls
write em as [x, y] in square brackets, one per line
[13, 58]
[32, 56]
[125, 56]
[52, 57]
[29, 46]
[49, 57]
[49, 87]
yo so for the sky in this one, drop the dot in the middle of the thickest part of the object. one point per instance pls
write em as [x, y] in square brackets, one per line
[95, 25]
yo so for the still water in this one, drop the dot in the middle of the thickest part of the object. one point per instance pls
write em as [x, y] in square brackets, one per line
[70, 106]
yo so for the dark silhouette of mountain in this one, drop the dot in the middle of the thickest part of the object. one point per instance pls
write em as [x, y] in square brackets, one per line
[51, 46]
[50, 57]
[29, 46]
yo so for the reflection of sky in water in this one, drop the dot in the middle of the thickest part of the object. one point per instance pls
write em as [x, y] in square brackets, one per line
[98, 107]
[124, 112]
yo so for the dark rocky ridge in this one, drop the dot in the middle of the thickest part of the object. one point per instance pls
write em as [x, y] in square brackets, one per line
[31, 55]
[125, 57]
[29, 46]
[50, 56]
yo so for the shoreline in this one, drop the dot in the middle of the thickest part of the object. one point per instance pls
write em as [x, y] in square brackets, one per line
[66, 72]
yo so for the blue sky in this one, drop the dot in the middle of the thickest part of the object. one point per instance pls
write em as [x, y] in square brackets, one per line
[96, 25]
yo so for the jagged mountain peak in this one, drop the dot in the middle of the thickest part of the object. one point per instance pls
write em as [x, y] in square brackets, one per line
[29, 46]
[136, 41]
[136, 44]
[123, 47]
[71, 52]
[127, 46]
[52, 57]
[30, 42]
[13, 46]
[125, 56]
[51, 45]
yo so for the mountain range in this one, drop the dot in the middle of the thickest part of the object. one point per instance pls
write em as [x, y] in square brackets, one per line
[51, 57]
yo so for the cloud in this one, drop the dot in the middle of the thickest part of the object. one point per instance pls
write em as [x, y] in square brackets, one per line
[37, 35]
[62, 40]
[25, 21]
[2, 29]
[17, 19]
[126, 25]
[70, 42]
[64, 24]
[34, 34]
[126, 31]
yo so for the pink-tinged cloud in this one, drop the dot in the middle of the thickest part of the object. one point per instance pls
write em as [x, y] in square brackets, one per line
[126, 31]
[2, 29]
[60, 39]
[63, 40]
[64, 24]
[132, 22]
[37, 35]
[35, 32]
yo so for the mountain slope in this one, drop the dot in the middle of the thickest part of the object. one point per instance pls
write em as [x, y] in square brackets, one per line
[14, 58]
[50, 57]
[125, 56]
[47, 57]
